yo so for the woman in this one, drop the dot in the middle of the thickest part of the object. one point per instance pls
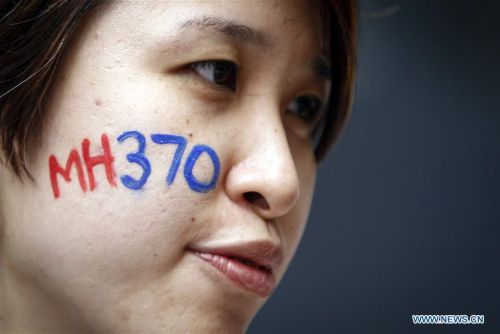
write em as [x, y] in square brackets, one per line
[170, 147]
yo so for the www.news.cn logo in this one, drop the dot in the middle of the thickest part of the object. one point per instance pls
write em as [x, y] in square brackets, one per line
[451, 319]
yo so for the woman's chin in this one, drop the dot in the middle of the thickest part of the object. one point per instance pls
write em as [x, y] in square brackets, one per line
[191, 299]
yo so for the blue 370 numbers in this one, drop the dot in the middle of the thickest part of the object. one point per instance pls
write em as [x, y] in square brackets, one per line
[139, 158]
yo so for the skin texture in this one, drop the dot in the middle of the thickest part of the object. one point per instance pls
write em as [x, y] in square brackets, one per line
[116, 260]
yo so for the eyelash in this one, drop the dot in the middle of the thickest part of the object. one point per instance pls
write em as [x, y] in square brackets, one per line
[224, 74]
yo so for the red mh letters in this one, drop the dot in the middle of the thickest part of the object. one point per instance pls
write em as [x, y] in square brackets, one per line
[106, 159]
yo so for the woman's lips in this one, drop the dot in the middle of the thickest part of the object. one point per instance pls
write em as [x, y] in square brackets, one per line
[251, 277]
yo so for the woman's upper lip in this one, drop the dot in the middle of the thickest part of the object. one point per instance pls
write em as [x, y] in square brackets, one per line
[262, 253]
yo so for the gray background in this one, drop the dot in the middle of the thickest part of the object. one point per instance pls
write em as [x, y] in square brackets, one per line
[406, 216]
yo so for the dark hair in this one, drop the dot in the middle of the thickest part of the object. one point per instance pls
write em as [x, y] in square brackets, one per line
[35, 34]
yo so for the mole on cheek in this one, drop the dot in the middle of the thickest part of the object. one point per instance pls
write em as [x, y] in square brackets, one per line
[193, 219]
[98, 102]
[190, 135]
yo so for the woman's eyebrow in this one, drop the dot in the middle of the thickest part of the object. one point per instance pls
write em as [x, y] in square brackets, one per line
[237, 32]
[244, 34]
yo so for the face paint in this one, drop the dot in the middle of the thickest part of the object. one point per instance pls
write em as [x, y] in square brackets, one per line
[106, 159]
[170, 139]
[55, 168]
[193, 183]
[139, 158]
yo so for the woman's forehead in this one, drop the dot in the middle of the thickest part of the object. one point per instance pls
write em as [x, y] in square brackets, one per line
[272, 20]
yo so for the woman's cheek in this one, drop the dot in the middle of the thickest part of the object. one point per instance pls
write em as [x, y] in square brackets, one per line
[125, 203]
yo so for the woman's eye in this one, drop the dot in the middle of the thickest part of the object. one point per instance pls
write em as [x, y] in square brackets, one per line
[307, 107]
[219, 72]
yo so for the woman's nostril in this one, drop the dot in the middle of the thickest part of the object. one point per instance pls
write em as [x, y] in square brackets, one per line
[257, 199]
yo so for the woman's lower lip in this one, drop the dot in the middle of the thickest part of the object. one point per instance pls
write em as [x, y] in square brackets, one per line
[249, 278]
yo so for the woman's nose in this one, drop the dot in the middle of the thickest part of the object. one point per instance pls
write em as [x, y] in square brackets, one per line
[264, 174]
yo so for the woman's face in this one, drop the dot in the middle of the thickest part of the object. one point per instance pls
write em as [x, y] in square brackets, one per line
[148, 247]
